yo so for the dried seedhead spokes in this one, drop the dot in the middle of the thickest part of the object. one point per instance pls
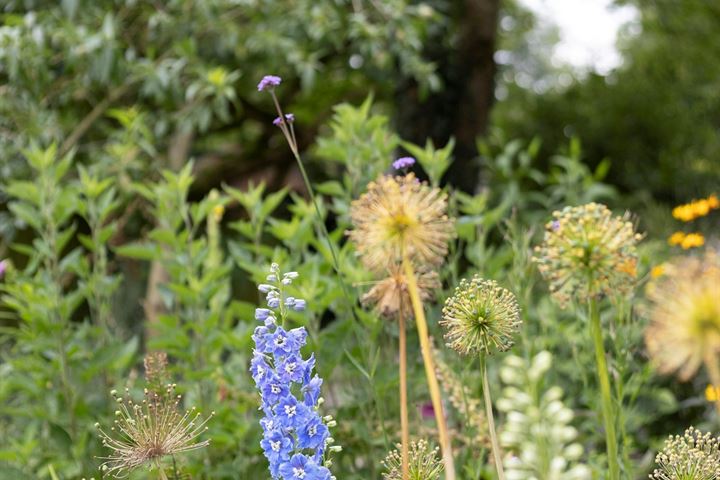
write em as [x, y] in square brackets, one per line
[390, 295]
[144, 432]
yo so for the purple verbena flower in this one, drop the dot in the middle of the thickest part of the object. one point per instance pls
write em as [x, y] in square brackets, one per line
[403, 162]
[289, 118]
[269, 82]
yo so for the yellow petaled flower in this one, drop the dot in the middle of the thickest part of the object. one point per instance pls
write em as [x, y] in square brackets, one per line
[711, 393]
[694, 456]
[587, 252]
[401, 215]
[692, 240]
[390, 295]
[713, 201]
[424, 463]
[676, 238]
[657, 271]
[684, 330]
[696, 209]
[480, 317]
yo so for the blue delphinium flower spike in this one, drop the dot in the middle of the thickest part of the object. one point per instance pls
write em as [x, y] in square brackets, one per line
[296, 438]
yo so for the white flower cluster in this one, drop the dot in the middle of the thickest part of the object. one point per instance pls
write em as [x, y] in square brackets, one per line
[537, 436]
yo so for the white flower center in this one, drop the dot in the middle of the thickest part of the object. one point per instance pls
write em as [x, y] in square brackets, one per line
[290, 410]
[275, 446]
[298, 473]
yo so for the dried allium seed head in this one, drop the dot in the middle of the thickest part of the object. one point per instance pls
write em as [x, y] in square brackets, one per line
[390, 295]
[424, 463]
[684, 329]
[480, 317]
[588, 252]
[694, 456]
[401, 215]
[149, 430]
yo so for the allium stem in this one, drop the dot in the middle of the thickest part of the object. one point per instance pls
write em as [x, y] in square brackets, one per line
[404, 421]
[606, 396]
[161, 471]
[711, 363]
[430, 369]
[491, 419]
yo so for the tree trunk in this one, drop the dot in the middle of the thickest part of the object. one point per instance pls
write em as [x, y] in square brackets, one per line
[462, 108]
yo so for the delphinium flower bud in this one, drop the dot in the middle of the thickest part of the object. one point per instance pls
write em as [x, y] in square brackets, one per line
[588, 252]
[694, 456]
[481, 317]
[424, 463]
[146, 432]
[296, 440]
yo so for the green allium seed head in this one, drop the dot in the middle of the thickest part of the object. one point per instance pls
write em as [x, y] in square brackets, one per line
[480, 317]
[588, 252]
[694, 456]
[424, 463]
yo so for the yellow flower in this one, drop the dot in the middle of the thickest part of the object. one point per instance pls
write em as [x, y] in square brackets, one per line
[700, 208]
[711, 394]
[676, 238]
[390, 295]
[217, 76]
[684, 310]
[401, 216]
[683, 213]
[692, 240]
[657, 271]
[713, 201]
[218, 211]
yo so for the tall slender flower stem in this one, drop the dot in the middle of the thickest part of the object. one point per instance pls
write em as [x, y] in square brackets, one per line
[606, 396]
[163, 476]
[289, 133]
[430, 369]
[711, 364]
[404, 421]
[491, 419]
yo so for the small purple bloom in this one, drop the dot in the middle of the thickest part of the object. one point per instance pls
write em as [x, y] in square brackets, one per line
[403, 162]
[427, 410]
[3, 267]
[289, 118]
[555, 225]
[299, 305]
[269, 81]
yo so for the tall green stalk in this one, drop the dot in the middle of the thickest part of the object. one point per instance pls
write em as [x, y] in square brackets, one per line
[608, 409]
[491, 419]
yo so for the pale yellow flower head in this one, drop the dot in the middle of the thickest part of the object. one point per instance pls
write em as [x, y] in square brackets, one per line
[685, 315]
[587, 252]
[401, 215]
